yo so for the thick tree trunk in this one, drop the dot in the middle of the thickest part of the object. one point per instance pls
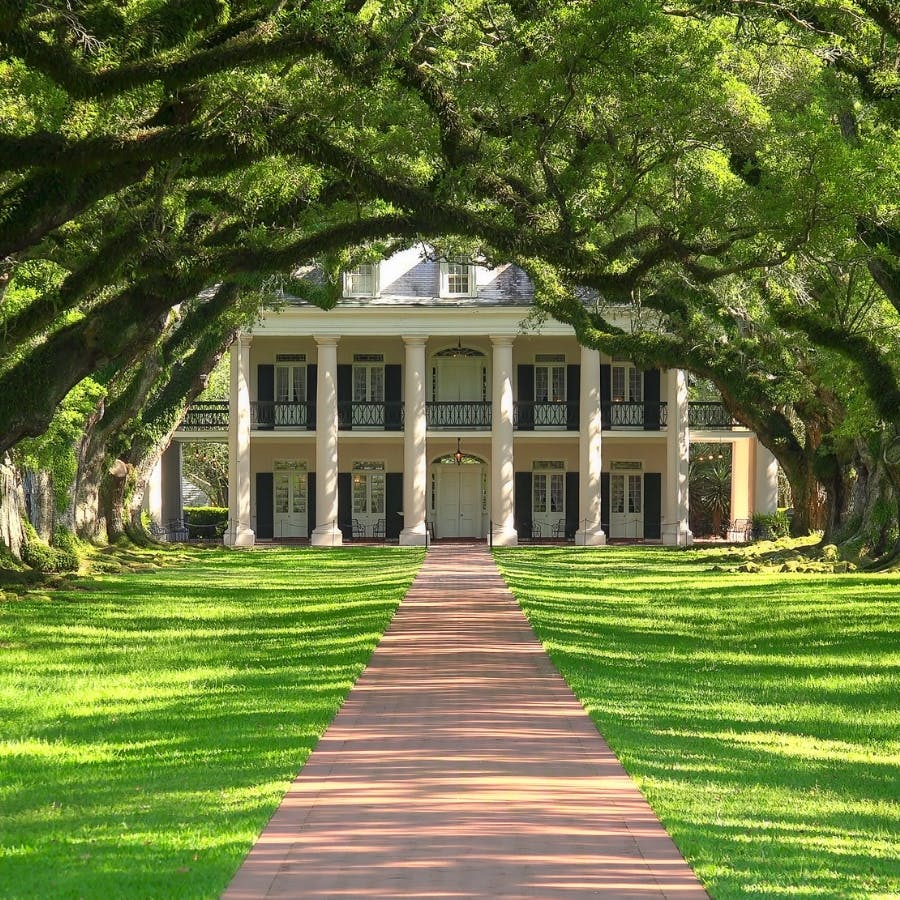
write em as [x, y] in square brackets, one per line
[41, 503]
[12, 507]
[807, 495]
[874, 506]
[112, 494]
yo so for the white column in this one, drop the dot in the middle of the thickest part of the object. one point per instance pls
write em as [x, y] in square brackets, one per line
[502, 471]
[590, 453]
[326, 533]
[766, 480]
[239, 533]
[676, 528]
[415, 460]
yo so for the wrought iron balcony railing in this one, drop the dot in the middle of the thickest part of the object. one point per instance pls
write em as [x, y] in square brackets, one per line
[528, 415]
[711, 415]
[627, 414]
[206, 415]
[266, 414]
[383, 416]
[212, 415]
[474, 414]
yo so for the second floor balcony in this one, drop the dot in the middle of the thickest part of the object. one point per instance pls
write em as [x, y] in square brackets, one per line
[474, 415]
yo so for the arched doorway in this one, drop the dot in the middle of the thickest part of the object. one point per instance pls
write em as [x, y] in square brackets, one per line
[458, 496]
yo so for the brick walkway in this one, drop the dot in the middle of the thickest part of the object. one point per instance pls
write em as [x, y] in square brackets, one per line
[461, 765]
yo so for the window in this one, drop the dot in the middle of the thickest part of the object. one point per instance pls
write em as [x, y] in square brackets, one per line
[368, 487]
[368, 378]
[291, 487]
[290, 383]
[548, 493]
[550, 383]
[634, 493]
[457, 278]
[627, 383]
[361, 281]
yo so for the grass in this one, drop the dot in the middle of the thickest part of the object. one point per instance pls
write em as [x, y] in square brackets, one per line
[150, 723]
[759, 714]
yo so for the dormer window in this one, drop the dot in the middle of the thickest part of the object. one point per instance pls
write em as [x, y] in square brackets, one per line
[361, 281]
[457, 278]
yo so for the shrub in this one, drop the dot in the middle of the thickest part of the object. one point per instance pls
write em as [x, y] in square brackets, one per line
[771, 526]
[63, 539]
[44, 558]
[206, 522]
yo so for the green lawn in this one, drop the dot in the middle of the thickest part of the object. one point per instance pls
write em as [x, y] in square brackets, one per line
[150, 723]
[760, 714]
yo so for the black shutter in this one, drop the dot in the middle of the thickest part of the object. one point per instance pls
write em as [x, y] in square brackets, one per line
[573, 396]
[392, 410]
[525, 378]
[311, 501]
[312, 382]
[345, 396]
[652, 505]
[393, 503]
[522, 507]
[265, 505]
[572, 501]
[605, 401]
[265, 395]
[604, 500]
[345, 506]
[651, 400]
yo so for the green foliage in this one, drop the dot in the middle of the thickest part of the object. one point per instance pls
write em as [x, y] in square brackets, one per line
[710, 488]
[206, 464]
[54, 451]
[46, 559]
[771, 526]
[63, 539]
[206, 522]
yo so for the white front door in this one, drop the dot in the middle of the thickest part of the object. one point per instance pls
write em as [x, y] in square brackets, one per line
[458, 501]
[548, 502]
[626, 506]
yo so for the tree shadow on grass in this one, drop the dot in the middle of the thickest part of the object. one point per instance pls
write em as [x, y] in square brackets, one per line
[758, 715]
[152, 723]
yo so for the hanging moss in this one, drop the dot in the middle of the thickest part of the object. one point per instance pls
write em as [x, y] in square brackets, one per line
[54, 451]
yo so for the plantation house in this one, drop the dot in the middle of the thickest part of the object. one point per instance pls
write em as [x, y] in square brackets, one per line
[426, 405]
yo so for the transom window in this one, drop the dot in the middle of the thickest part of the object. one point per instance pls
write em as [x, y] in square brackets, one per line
[361, 281]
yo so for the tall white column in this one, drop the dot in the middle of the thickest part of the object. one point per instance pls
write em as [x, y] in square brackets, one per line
[766, 480]
[676, 529]
[502, 470]
[415, 460]
[590, 453]
[326, 533]
[239, 533]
